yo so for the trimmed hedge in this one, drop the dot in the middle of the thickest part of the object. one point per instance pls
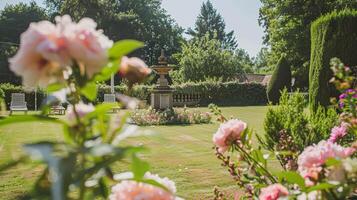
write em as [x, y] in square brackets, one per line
[231, 93]
[280, 79]
[332, 35]
[220, 93]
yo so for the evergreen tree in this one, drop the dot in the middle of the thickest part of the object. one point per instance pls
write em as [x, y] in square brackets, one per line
[211, 22]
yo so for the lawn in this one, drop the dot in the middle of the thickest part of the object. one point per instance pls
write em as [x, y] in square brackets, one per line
[182, 153]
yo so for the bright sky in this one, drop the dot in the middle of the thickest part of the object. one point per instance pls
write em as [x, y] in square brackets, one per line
[239, 15]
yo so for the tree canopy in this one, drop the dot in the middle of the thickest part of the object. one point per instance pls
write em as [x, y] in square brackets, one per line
[287, 27]
[15, 19]
[211, 22]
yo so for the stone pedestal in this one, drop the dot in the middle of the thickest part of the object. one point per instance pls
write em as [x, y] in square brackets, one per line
[162, 95]
[161, 100]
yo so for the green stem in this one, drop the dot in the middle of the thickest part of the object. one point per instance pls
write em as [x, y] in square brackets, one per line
[270, 176]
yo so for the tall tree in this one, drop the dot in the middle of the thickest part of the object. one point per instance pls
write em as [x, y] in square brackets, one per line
[15, 19]
[144, 20]
[287, 27]
[211, 22]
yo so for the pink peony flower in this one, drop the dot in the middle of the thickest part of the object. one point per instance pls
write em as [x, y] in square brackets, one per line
[42, 55]
[131, 190]
[338, 132]
[81, 109]
[133, 69]
[310, 161]
[273, 192]
[228, 133]
[86, 44]
[169, 184]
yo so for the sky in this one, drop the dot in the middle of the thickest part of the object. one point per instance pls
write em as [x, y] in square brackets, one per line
[239, 15]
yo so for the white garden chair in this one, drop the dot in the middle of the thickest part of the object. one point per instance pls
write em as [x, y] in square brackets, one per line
[18, 103]
[110, 98]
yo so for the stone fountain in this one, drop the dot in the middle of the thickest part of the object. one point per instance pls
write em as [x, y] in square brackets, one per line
[162, 95]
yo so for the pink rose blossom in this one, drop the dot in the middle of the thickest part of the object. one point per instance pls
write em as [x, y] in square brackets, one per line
[228, 133]
[81, 109]
[131, 190]
[273, 192]
[133, 69]
[47, 50]
[42, 55]
[310, 161]
[86, 44]
[338, 132]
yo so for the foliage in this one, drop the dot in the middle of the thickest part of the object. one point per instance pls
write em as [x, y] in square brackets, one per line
[287, 27]
[149, 117]
[261, 61]
[210, 22]
[280, 79]
[288, 128]
[14, 19]
[143, 20]
[332, 35]
[204, 58]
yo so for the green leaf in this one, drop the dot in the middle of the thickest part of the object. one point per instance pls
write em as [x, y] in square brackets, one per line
[321, 186]
[101, 109]
[54, 87]
[124, 47]
[332, 162]
[139, 168]
[90, 91]
[107, 71]
[292, 178]
[27, 118]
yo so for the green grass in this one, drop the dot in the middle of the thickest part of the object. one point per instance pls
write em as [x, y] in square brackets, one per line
[182, 153]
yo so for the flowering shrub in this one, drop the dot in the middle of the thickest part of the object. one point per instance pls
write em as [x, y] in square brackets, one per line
[67, 59]
[324, 169]
[148, 117]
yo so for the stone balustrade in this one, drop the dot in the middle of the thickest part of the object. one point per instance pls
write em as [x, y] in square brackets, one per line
[180, 99]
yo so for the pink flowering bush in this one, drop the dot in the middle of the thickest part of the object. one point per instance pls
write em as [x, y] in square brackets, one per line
[67, 59]
[149, 117]
[325, 169]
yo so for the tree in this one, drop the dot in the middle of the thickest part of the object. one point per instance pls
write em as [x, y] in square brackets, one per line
[280, 79]
[261, 61]
[211, 22]
[14, 20]
[287, 27]
[243, 59]
[203, 58]
[143, 20]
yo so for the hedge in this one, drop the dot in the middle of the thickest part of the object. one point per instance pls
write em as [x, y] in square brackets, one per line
[231, 93]
[280, 79]
[332, 35]
[221, 93]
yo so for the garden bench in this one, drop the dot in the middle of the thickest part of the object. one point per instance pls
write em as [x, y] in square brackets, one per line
[110, 98]
[18, 103]
[57, 110]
